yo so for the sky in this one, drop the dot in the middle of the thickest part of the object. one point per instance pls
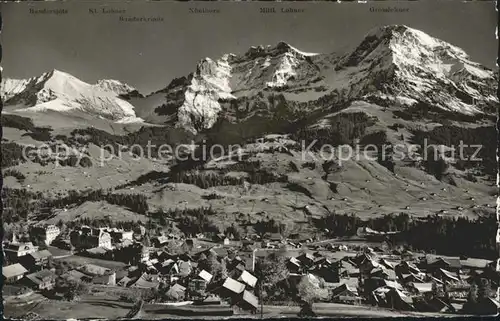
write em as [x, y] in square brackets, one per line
[149, 55]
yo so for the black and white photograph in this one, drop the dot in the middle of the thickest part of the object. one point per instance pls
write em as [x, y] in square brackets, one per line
[208, 160]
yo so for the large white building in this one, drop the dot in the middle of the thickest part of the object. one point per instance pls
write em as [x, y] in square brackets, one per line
[16, 250]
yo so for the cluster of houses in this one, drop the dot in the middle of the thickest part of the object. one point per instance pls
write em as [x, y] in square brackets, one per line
[178, 277]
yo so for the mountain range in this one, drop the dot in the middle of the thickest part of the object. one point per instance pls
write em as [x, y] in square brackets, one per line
[395, 64]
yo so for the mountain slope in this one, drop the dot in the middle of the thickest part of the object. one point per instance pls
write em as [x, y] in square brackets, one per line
[410, 64]
[397, 87]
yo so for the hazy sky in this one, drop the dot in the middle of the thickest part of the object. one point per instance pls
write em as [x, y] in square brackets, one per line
[149, 55]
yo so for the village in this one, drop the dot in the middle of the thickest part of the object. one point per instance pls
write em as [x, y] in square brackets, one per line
[224, 276]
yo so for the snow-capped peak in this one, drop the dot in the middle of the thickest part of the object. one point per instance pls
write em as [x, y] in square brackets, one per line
[279, 49]
[404, 45]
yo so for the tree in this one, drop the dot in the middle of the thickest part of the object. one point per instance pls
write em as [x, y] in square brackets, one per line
[146, 239]
[308, 294]
[472, 298]
[223, 272]
[434, 163]
[75, 289]
[484, 290]
[385, 157]
[234, 230]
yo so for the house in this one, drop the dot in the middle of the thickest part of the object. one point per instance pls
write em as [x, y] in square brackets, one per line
[347, 269]
[379, 296]
[445, 276]
[295, 279]
[105, 279]
[220, 252]
[92, 269]
[159, 241]
[176, 292]
[14, 251]
[475, 264]
[294, 265]
[240, 264]
[168, 267]
[13, 273]
[487, 306]
[343, 289]
[383, 272]
[233, 287]
[185, 268]
[189, 243]
[144, 254]
[322, 261]
[386, 264]
[205, 276]
[373, 283]
[118, 236]
[42, 280]
[422, 288]
[328, 273]
[409, 278]
[306, 259]
[77, 276]
[367, 264]
[345, 294]
[432, 264]
[248, 279]
[37, 260]
[211, 299]
[406, 267]
[219, 237]
[46, 234]
[248, 244]
[140, 230]
[396, 299]
[87, 238]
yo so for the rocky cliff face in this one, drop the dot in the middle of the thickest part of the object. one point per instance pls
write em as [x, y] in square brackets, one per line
[60, 91]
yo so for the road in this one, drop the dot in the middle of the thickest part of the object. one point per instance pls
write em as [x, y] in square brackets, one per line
[97, 306]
